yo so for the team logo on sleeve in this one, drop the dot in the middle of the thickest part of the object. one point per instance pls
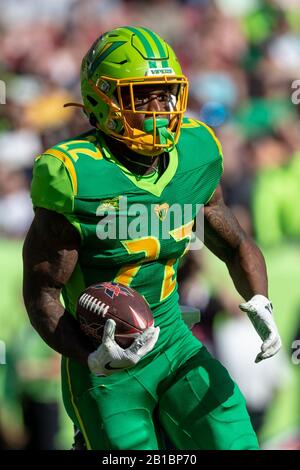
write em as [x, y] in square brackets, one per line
[110, 204]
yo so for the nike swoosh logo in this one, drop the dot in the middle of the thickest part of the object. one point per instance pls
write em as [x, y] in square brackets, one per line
[269, 308]
[108, 367]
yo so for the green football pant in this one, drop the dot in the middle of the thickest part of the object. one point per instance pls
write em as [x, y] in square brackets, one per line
[197, 404]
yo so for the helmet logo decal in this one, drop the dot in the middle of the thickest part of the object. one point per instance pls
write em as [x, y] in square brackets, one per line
[108, 48]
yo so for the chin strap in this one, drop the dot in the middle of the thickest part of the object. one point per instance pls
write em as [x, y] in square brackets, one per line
[161, 128]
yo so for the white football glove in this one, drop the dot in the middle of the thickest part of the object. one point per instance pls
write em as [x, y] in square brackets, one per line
[110, 357]
[259, 309]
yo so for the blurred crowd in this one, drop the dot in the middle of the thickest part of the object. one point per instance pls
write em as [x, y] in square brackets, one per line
[242, 59]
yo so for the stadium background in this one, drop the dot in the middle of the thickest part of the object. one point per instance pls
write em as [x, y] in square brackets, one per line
[241, 59]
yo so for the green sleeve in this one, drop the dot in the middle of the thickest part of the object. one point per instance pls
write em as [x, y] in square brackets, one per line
[213, 175]
[201, 152]
[215, 166]
[51, 186]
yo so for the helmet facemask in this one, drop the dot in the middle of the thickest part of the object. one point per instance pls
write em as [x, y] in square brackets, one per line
[161, 129]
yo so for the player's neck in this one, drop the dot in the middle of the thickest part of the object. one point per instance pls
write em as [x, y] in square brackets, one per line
[134, 162]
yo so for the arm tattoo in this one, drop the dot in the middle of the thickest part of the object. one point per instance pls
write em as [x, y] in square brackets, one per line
[222, 232]
[227, 240]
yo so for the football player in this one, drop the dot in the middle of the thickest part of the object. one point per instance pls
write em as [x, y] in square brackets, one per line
[140, 152]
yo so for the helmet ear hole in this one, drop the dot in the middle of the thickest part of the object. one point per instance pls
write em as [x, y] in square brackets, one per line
[93, 120]
[92, 101]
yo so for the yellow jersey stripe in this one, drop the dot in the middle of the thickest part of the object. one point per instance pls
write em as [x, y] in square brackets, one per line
[68, 163]
[213, 136]
[89, 447]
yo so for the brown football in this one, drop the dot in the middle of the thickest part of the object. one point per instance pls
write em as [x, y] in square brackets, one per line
[123, 304]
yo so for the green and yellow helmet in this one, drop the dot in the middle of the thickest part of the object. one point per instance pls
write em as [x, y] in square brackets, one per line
[131, 57]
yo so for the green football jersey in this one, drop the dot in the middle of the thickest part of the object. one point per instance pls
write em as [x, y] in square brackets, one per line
[133, 229]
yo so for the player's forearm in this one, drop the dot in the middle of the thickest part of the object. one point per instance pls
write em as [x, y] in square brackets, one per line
[50, 254]
[248, 270]
[228, 241]
[57, 327]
